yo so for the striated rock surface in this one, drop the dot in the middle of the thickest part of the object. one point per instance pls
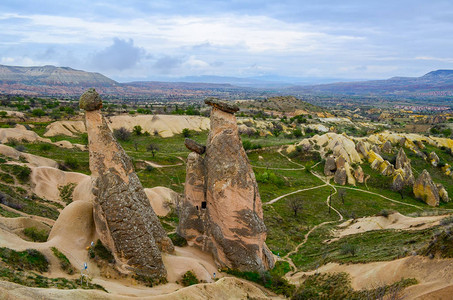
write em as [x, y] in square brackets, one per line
[124, 218]
[404, 164]
[433, 159]
[398, 182]
[387, 147]
[222, 211]
[386, 168]
[340, 176]
[194, 146]
[330, 166]
[359, 175]
[193, 213]
[362, 149]
[340, 162]
[425, 189]
[409, 178]
[401, 159]
[443, 194]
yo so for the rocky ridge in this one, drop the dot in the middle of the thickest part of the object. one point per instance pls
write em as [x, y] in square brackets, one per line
[344, 155]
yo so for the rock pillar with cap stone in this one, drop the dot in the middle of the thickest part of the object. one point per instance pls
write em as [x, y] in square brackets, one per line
[222, 213]
[124, 218]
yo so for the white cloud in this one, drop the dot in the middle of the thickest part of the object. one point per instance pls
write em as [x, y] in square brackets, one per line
[195, 63]
[256, 33]
[441, 59]
[19, 61]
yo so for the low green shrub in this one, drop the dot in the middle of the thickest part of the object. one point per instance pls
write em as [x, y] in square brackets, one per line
[66, 192]
[177, 240]
[6, 178]
[71, 162]
[29, 259]
[32, 279]
[270, 177]
[333, 286]
[269, 280]
[45, 147]
[35, 234]
[100, 251]
[65, 264]
[348, 249]
[189, 278]
[251, 146]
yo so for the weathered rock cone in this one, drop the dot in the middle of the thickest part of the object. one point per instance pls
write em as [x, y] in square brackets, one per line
[222, 211]
[124, 218]
[403, 163]
[425, 189]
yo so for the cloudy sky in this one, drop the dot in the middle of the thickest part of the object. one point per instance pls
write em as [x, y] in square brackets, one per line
[158, 40]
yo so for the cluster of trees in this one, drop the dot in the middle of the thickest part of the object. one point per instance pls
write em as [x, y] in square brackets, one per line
[39, 107]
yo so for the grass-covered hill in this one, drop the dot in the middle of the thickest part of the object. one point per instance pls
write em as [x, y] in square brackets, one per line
[305, 211]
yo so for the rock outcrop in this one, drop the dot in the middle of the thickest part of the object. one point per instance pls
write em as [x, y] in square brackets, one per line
[401, 159]
[398, 182]
[359, 175]
[433, 159]
[403, 164]
[387, 147]
[340, 176]
[425, 189]
[443, 194]
[124, 218]
[222, 211]
[330, 166]
[194, 146]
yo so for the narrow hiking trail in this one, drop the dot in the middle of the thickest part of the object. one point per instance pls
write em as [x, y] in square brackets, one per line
[327, 183]
[295, 192]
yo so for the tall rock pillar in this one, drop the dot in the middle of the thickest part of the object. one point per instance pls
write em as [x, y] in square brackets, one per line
[124, 218]
[226, 219]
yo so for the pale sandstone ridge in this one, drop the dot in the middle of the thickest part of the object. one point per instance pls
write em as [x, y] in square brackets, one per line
[163, 125]
[32, 160]
[124, 218]
[222, 211]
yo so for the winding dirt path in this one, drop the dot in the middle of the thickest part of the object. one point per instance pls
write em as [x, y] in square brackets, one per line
[295, 192]
[289, 159]
[326, 183]
[283, 169]
[377, 194]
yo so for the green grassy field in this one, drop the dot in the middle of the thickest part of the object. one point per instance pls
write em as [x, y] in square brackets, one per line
[277, 176]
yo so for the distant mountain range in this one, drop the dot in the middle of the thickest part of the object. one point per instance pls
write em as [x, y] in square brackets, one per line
[50, 75]
[64, 81]
[435, 83]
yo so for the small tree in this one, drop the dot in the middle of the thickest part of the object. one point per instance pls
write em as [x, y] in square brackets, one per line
[297, 133]
[153, 148]
[122, 134]
[137, 130]
[341, 194]
[186, 132]
[295, 204]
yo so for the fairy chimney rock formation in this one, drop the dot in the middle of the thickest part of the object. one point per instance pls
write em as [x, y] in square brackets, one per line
[222, 211]
[124, 218]
[403, 163]
[425, 189]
